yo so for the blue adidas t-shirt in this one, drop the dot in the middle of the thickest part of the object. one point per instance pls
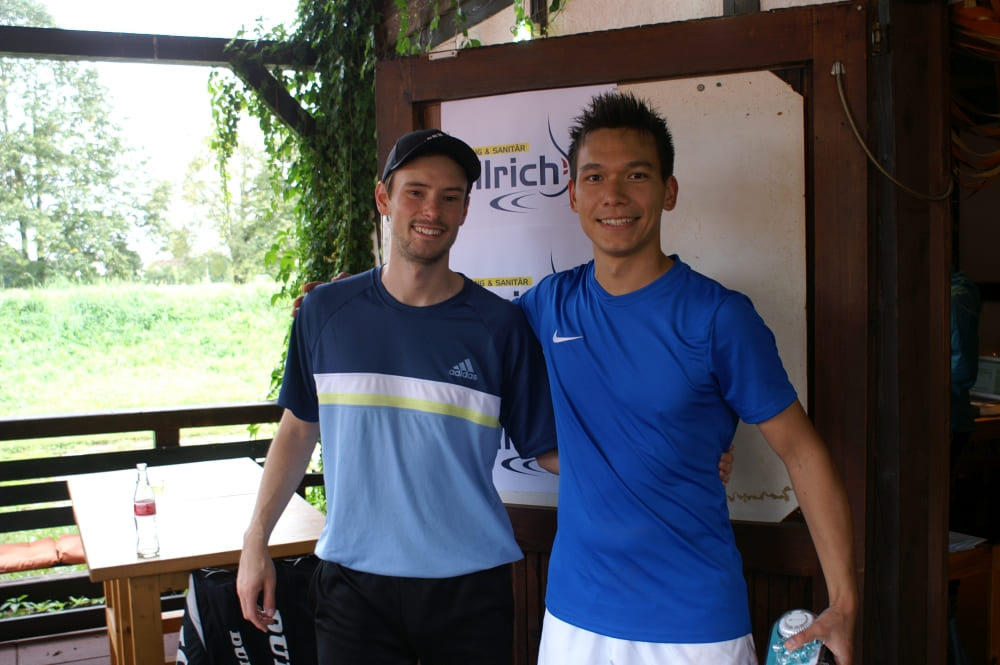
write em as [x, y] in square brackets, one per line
[648, 388]
[411, 402]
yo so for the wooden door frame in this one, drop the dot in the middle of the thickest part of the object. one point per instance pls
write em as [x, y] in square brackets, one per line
[803, 43]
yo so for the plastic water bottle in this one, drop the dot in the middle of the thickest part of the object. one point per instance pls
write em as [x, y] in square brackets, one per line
[147, 543]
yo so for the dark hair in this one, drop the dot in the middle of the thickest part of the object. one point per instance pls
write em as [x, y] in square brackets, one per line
[622, 110]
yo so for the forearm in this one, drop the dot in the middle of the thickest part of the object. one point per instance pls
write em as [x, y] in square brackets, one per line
[821, 497]
[286, 463]
[824, 504]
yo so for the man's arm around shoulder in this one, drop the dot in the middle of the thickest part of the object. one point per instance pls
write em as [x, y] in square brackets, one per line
[549, 461]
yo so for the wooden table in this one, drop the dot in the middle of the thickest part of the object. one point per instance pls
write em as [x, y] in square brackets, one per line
[202, 510]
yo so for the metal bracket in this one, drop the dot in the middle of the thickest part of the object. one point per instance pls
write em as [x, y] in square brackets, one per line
[879, 39]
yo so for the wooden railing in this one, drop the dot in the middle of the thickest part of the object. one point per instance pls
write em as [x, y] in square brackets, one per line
[33, 492]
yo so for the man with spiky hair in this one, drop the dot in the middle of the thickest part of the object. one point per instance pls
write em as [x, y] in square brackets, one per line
[651, 366]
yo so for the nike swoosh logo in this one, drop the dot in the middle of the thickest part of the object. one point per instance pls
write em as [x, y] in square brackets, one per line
[559, 340]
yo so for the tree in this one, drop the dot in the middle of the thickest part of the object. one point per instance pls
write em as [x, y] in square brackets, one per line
[69, 202]
[245, 210]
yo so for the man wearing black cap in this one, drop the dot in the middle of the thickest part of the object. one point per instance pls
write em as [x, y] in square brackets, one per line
[409, 372]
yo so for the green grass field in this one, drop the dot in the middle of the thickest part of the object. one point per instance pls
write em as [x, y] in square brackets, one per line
[92, 348]
[128, 346]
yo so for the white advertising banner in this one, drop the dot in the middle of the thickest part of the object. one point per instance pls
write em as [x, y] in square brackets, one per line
[520, 227]
[740, 219]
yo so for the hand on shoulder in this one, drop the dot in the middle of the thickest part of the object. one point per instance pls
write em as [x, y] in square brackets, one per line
[309, 286]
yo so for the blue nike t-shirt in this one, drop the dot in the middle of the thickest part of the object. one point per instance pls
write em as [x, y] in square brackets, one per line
[648, 388]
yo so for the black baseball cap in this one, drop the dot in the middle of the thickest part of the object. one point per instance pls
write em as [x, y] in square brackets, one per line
[432, 142]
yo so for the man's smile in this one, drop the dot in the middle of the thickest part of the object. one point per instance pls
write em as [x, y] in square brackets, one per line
[617, 221]
[427, 230]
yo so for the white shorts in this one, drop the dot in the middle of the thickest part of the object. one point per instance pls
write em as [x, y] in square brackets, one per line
[565, 644]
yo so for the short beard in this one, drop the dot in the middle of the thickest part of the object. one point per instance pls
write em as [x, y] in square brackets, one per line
[404, 251]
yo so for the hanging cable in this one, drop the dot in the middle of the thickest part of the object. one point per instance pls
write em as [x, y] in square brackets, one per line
[838, 73]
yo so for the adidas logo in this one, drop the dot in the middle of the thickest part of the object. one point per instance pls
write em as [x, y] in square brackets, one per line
[463, 370]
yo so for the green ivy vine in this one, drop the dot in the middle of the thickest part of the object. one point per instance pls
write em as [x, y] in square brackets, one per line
[329, 172]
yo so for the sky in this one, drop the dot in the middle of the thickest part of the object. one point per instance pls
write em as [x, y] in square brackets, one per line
[196, 18]
[164, 109]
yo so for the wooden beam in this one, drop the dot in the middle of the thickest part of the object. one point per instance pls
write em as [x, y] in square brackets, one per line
[909, 462]
[839, 281]
[473, 13]
[58, 44]
[137, 420]
[773, 40]
[249, 59]
[274, 96]
[734, 7]
[421, 13]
